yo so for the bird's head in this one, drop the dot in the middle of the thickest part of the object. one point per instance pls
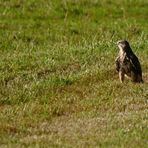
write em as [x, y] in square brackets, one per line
[123, 45]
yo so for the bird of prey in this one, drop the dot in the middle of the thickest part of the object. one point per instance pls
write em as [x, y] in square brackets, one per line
[127, 63]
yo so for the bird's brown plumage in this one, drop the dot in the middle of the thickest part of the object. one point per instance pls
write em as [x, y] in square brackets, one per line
[127, 63]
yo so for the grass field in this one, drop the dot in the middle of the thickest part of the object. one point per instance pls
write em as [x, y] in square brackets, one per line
[58, 84]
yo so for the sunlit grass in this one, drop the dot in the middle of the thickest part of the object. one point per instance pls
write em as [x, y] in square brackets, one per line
[58, 84]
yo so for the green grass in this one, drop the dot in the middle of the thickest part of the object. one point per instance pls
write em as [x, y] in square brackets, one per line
[58, 84]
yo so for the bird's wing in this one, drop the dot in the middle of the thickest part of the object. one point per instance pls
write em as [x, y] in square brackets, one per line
[135, 63]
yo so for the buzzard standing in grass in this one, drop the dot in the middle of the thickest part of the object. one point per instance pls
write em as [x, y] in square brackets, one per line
[127, 63]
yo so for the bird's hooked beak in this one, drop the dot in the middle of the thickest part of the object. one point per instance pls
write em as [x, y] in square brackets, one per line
[118, 42]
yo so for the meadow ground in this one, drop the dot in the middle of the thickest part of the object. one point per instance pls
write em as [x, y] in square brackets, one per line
[58, 84]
